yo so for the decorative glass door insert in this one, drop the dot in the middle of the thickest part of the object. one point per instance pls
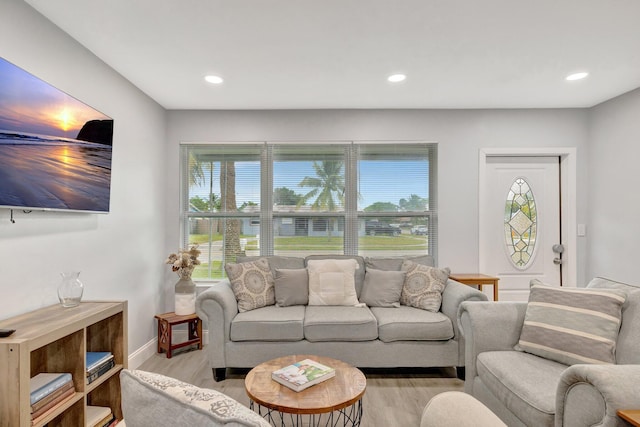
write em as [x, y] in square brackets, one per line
[520, 224]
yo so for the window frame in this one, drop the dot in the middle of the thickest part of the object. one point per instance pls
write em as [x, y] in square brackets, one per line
[350, 215]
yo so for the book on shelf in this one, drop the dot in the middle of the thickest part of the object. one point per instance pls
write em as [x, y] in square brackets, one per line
[52, 396]
[100, 370]
[101, 367]
[96, 358]
[43, 412]
[46, 383]
[303, 374]
[98, 416]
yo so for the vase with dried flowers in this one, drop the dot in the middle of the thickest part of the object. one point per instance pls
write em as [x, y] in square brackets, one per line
[183, 264]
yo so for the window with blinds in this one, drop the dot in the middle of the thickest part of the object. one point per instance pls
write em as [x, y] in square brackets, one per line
[370, 199]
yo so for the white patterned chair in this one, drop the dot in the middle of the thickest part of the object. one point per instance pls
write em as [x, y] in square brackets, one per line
[150, 399]
[525, 389]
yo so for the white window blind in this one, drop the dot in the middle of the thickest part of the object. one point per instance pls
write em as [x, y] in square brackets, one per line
[221, 193]
[297, 199]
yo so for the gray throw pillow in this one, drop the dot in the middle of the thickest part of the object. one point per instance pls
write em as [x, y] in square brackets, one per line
[382, 288]
[292, 287]
[252, 284]
[423, 286]
[572, 325]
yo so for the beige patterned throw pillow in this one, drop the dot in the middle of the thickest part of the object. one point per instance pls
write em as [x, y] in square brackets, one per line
[423, 286]
[252, 284]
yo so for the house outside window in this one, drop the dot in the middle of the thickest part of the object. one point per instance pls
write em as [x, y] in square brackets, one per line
[355, 198]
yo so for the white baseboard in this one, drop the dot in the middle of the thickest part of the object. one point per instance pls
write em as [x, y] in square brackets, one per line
[139, 356]
[143, 353]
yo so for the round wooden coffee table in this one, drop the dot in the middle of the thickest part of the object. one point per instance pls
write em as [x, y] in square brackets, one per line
[331, 402]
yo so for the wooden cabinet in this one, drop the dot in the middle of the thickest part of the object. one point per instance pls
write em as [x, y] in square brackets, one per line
[55, 339]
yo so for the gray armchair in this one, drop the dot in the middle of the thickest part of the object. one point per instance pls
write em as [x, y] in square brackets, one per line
[526, 390]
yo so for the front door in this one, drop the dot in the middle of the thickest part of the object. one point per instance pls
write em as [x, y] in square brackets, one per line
[520, 218]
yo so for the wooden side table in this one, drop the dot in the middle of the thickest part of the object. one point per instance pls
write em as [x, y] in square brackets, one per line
[477, 279]
[632, 416]
[167, 321]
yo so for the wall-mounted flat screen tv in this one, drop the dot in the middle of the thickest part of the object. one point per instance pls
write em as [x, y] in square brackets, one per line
[55, 151]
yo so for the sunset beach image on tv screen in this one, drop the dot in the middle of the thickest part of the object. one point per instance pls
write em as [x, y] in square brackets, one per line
[55, 151]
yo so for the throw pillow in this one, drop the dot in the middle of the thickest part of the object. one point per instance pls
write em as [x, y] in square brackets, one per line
[571, 325]
[382, 288]
[332, 282]
[252, 284]
[423, 286]
[292, 287]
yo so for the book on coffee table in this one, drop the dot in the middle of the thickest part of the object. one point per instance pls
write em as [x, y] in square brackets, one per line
[303, 374]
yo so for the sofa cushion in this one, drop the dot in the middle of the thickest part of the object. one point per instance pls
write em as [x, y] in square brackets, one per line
[423, 286]
[359, 274]
[395, 263]
[276, 261]
[150, 399]
[526, 384]
[571, 325]
[292, 287]
[252, 284]
[331, 282]
[411, 324]
[382, 288]
[269, 324]
[331, 323]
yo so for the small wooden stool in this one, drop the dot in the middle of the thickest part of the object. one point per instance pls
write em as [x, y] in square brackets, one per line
[166, 322]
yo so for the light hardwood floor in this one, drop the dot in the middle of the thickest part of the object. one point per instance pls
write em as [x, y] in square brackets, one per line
[393, 397]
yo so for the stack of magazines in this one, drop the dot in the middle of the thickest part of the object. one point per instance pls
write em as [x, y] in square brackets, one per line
[303, 374]
[47, 391]
[98, 363]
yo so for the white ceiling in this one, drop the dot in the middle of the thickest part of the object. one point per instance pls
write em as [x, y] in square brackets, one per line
[300, 54]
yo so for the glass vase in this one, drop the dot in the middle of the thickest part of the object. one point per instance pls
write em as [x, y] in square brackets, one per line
[185, 294]
[70, 289]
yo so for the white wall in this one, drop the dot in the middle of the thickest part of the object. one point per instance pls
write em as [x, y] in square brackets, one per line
[460, 134]
[614, 200]
[120, 254]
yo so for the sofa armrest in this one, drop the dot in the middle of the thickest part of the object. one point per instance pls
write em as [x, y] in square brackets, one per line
[591, 394]
[488, 326]
[452, 296]
[150, 399]
[458, 409]
[217, 307]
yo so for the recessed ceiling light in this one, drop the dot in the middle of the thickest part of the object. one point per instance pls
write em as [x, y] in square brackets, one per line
[216, 80]
[577, 76]
[395, 78]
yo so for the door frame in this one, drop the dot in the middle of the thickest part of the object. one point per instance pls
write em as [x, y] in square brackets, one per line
[568, 192]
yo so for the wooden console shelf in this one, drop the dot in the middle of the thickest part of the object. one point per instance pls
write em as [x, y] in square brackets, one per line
[56, 339]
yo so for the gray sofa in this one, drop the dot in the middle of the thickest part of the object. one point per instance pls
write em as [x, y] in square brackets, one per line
[371, 337]
[524, 389]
